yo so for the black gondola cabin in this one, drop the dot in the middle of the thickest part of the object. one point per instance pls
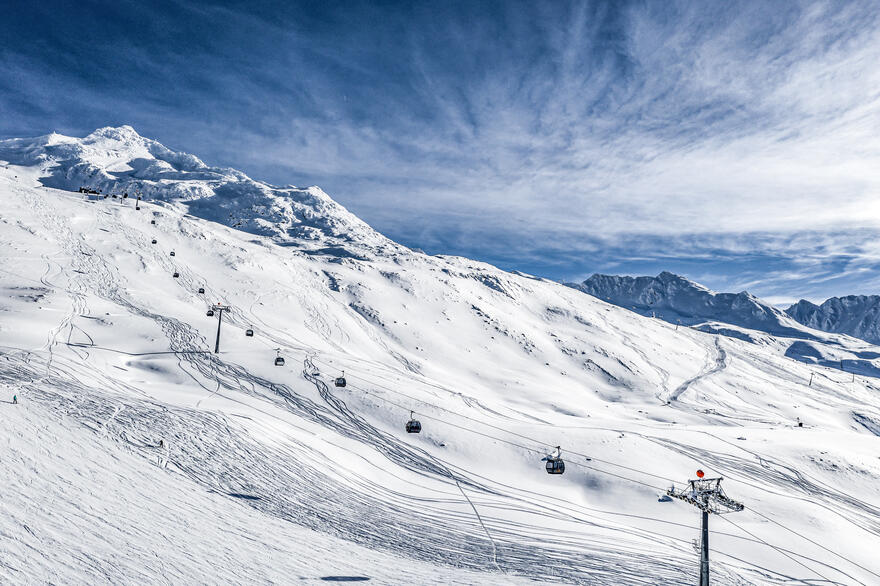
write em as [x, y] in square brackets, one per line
[413, 426]
[555, 466]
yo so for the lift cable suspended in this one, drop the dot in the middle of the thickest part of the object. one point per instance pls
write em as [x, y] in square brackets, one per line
[574, 462]
[780, 550]
[483, 424]
[539, 451]
[819, 545]
[534, 450]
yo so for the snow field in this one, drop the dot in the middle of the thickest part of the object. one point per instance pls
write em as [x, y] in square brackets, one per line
[113, 356]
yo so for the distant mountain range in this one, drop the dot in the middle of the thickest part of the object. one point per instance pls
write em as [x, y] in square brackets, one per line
[855, 315]
[677, 299]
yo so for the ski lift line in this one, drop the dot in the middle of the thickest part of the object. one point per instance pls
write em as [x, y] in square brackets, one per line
[583, 513]
[525, 437]
[780, 550]
[753, 485]
[515, 444]
[587, 466]
[422, 379]
[598, 470]
[743, 479]
[449, 423]
[481, 423]
[447, 467]
[540, 451]
[512, 433]
[819, 545]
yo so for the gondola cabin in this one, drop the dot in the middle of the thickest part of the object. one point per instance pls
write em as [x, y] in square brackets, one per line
[279, 361]
[340, 380]
[413, 426]
[201, 289]
[172, 253]
[249, 333]
[154, 241]
[210, 313]
[176, 275]
[152, 221]
[555, 466]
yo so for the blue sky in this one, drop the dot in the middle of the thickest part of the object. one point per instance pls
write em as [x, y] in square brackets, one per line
[735, 143]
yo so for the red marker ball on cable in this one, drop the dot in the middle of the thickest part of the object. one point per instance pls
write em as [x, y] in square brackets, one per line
[700, 473]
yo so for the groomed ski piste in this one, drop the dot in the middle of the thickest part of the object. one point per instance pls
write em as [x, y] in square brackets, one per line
[137, 455]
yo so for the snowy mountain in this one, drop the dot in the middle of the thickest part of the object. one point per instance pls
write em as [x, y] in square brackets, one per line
[120, 161]
[676, 299]
[855, 315]
[137, 455]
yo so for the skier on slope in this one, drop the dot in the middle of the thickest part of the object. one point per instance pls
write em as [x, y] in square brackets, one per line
[15, 399]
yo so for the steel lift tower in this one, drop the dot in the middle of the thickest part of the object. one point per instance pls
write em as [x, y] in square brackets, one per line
[706, 494]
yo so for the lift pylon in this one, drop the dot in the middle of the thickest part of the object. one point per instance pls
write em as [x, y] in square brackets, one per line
[707, 495]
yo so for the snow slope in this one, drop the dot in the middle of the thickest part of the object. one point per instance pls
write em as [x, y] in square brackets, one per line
[272, 475]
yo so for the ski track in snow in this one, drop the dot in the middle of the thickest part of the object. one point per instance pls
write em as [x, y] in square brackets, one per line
[303, 452]
[715, 364]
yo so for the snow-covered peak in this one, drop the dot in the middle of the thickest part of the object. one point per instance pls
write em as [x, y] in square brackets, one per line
[675, 298]
[120, 133]
[118, 161]
[855, 315]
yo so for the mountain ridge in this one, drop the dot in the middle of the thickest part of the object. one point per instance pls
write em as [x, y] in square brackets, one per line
[854, 315]
[118, 160]
[677, 299]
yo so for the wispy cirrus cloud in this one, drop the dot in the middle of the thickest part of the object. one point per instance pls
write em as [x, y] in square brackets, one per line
[732, 140]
